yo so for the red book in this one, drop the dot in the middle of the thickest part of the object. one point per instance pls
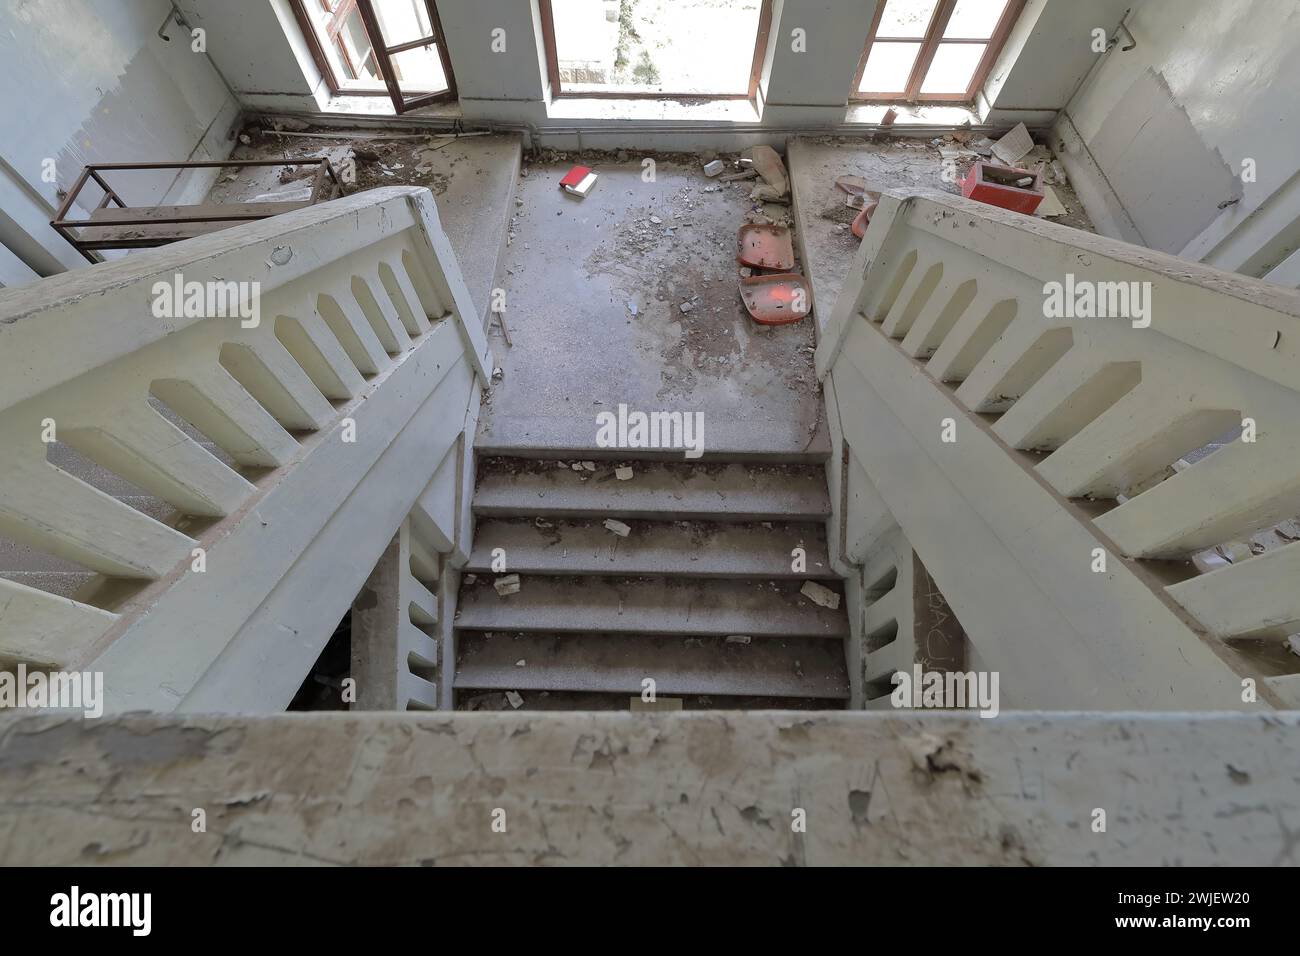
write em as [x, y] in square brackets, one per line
[579, 180]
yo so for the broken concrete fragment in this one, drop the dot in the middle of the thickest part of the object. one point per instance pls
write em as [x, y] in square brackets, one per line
[1051, 204]
[623, 472]
[1289, 529]
[714, 168]
[507, 584]
[766, 193]
[514, 699]
[738, 638]
[618, 527]
[768, 163]
[588, 465]
[686, 307]
[1235, 551]
[820, 595]
[521, 663]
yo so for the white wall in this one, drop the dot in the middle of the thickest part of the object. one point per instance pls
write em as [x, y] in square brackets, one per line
[91, 81]
[1047, 55]
[260, 51]
[1159, 133]
[812, 85]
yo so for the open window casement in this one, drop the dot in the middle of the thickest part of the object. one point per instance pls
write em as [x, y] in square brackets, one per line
[379, 47]
[409, 49]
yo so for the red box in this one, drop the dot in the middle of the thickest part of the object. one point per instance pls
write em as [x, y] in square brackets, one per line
[996, 185]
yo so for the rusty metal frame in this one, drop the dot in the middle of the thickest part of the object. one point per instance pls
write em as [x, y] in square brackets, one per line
[557, 89]
[65, 227]
[930, 42]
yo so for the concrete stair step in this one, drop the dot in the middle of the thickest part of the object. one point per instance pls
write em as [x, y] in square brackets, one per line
[677, 491]
[806, 667]
[691, 607]
[735, 440]
[681, 548]
[62, 583]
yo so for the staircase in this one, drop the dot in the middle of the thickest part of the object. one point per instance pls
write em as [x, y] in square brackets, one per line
[218, 494]
[701, 596]
[189, 502]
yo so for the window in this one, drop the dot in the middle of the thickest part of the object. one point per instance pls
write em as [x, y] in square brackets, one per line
[932, 50]
[376, 47]
[655, 48]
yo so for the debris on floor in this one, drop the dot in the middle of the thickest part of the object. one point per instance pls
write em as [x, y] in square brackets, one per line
[618, 527]
[776, 299]
[819, 594]
[579, 181]
[1013, 147]
[507, 584]
[714, 168]
[766, 247]
[1051, 205]
[852, 185]
[623, 473]
[515, 699]
[769, 165]
[1019, 190]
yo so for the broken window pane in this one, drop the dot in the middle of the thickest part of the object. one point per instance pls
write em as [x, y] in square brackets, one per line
[656, 46]
[888, 67]
[952, 68]
[906, 18]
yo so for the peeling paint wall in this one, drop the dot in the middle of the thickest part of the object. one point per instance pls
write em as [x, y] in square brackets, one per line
[1163, 130]
[91, 80]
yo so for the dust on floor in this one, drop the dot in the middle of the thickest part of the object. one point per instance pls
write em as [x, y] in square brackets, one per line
[631, 295]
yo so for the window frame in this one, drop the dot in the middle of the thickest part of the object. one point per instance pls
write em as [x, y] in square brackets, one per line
[930, 42]
[382, 54]
[558, 92]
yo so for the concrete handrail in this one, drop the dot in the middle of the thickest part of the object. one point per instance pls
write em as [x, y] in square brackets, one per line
[958, 307]
[349, 305]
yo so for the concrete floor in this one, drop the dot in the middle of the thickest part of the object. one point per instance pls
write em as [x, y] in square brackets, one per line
[472, 180]
[593, 293]
[823, 220]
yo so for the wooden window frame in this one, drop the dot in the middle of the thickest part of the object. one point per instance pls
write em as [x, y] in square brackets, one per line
[558, 91]
[930, 43]
[383, 54]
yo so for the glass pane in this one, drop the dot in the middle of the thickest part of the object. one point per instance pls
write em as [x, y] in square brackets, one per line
[402, 20]
[974, 19]
[906, 18]
[952, 68]
[655, 46]
[888, 67]
[420, 70]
